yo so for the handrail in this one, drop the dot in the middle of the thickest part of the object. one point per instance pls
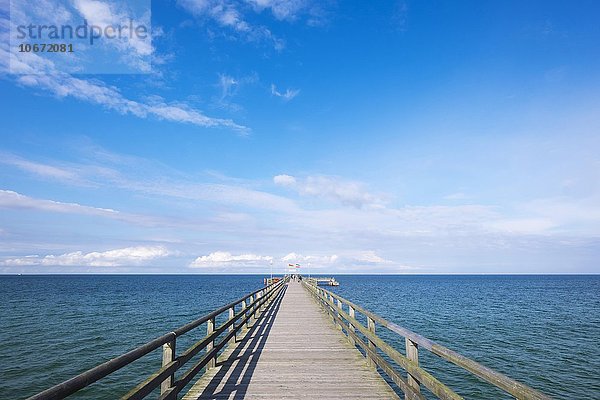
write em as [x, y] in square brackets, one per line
[260, 299]
[415, 374]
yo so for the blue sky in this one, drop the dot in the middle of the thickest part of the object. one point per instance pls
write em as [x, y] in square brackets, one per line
[349, 137]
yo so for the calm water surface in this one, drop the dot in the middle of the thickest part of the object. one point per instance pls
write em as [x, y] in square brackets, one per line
[541, 330]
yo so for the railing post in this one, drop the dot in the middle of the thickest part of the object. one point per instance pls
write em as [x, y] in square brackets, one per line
[168, 357]
[412, 353]
[339, 305]
[350, 326]
[253, 307]
[262, 306]
[244, 309]
[330, 298]
[258, 299]
[371, 327]
[210, 328]
[232, 326]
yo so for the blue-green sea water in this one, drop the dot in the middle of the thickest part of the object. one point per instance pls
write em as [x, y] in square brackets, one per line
[541, 330]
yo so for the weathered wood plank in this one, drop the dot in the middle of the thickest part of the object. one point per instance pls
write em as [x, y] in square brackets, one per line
[294, 351]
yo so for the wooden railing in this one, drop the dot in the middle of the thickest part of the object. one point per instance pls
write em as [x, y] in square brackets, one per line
[250, 308]
[343, 313]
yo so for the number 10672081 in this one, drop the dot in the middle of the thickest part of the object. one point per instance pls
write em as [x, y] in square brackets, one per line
[45, 48]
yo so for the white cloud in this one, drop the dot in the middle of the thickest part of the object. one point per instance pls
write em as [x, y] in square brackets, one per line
[288, 95]
[14, 200]
[345, 192]
[284, 180]
[299, 258]
[111, 258]
[220, 258]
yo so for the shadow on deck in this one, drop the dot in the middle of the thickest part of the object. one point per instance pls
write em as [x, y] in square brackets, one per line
[236, 365]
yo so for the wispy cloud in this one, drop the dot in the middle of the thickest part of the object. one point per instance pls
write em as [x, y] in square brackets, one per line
[111, 258]
[400, 15]
[14, 200]
[227, 84]
[288, 95]
[229, 87]
[282, 9]
[138, 175]
[238, 16]
[230, 14]
[336, 189]
[44, 170]
[96, 92]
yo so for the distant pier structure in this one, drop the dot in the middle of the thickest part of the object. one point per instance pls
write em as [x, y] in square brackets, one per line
[320, 281]
[291, 339]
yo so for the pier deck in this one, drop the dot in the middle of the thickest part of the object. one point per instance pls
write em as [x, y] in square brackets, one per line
[294, 351]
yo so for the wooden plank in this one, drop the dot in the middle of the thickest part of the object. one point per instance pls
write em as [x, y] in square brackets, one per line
[294, 351]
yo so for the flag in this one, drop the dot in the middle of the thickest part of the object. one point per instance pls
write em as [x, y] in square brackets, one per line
[297, 265]
[290, 265]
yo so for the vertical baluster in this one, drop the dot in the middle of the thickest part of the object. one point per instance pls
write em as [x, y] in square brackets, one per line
[167, 357]
[210, 328]
[371, 327]
[412, 353]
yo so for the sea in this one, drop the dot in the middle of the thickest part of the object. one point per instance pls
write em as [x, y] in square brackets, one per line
[542, 330]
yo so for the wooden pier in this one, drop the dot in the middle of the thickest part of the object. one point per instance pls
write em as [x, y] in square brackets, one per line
[290, 340]
[294, 352]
